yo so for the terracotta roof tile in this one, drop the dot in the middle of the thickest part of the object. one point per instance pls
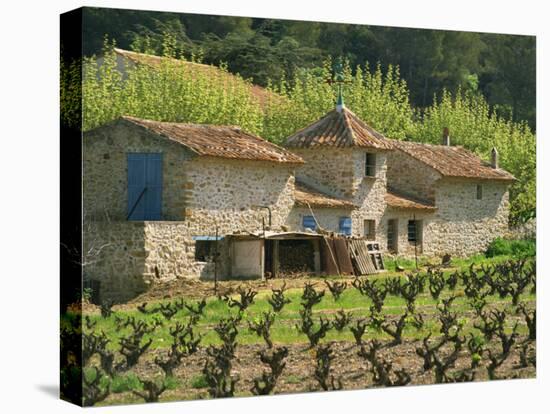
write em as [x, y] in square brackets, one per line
[401, 201]
[305, 194]
[453, 161]
[261, 95]
[338, 129]
[218, 141]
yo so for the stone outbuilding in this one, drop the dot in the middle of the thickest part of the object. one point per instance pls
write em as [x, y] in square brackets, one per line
[169, 200]
[156, 194]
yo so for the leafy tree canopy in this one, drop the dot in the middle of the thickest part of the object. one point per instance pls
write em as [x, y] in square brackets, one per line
[500, 67]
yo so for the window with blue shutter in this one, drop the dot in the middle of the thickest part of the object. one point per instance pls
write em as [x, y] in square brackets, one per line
[345, 225]
[308, 222]
[144, 186]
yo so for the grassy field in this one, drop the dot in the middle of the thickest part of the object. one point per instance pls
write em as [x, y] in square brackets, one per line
[284, 329]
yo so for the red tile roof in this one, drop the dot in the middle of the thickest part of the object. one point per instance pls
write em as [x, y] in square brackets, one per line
[305, 195]
[261, 95]
[218, 141]
[401, 201]
[338, 129]
[452, 161]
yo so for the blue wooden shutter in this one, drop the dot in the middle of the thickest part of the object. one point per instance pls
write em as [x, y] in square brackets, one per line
[153, 181]
[136, 186]
[144, 186]
[345, 225]
[308, 222]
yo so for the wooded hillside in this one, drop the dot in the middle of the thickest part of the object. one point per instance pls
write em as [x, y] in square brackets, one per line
[424, 81]
[500, 67]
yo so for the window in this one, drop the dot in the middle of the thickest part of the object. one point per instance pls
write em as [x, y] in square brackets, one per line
[204, 249]
[308, 222]
[370, 164]
[479, 191]
[414, 231]
[345, 226]
[370, 230]
[144, 186]
[392, 235]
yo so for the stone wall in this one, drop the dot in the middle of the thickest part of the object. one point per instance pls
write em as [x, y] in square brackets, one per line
[105, 170]
[370, 192]
[404, 247]
[136, 254]
[117, 258]
[341, 172]
[410, 176]
[461, 225]
[464, 225]
[232, 194]
[330, 169]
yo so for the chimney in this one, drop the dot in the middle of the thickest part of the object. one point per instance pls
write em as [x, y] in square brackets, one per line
[494, 158]
[446, 139]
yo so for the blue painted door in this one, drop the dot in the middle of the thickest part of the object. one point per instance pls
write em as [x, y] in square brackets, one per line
[144, 186]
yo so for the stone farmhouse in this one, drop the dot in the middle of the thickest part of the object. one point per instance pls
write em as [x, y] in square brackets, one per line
[169, 200]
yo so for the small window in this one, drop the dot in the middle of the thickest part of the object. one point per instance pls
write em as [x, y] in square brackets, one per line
[414, 229]
[345, 226]
[370, 165]
[204, 250]
[308, 222]
[370, 230]
[479, 192]
[392, 235]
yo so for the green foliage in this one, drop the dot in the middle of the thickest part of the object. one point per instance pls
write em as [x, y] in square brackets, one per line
[515, 248]
[70, 83]
[379, 98]
[199, 381]
[500, 66]
[174, 91]
[123, 383]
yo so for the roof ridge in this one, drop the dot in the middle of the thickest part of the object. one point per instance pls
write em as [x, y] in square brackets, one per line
[348, 126]
[217, 141]
[452, 161]
[192, 124]
[338, 128]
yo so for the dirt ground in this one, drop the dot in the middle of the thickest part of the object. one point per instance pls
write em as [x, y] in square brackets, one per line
[300, 364]
[196, 289]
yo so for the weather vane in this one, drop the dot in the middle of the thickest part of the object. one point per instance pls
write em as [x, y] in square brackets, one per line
[339, 80]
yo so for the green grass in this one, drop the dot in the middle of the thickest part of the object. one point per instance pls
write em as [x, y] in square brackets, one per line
[284, 330]
[199, 381]
[123, 383]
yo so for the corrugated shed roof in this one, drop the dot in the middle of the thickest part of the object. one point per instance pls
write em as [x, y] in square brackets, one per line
[218, 141]
[262, 95]
[338, 129]
[398, 200]
[453, 161]
[305, 195]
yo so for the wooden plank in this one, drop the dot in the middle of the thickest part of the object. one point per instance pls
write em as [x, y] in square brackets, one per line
[328, 257]
[360, 255]
[343, 256]
[357, 265]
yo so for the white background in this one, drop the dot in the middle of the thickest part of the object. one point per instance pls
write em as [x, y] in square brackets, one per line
[29, 206]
